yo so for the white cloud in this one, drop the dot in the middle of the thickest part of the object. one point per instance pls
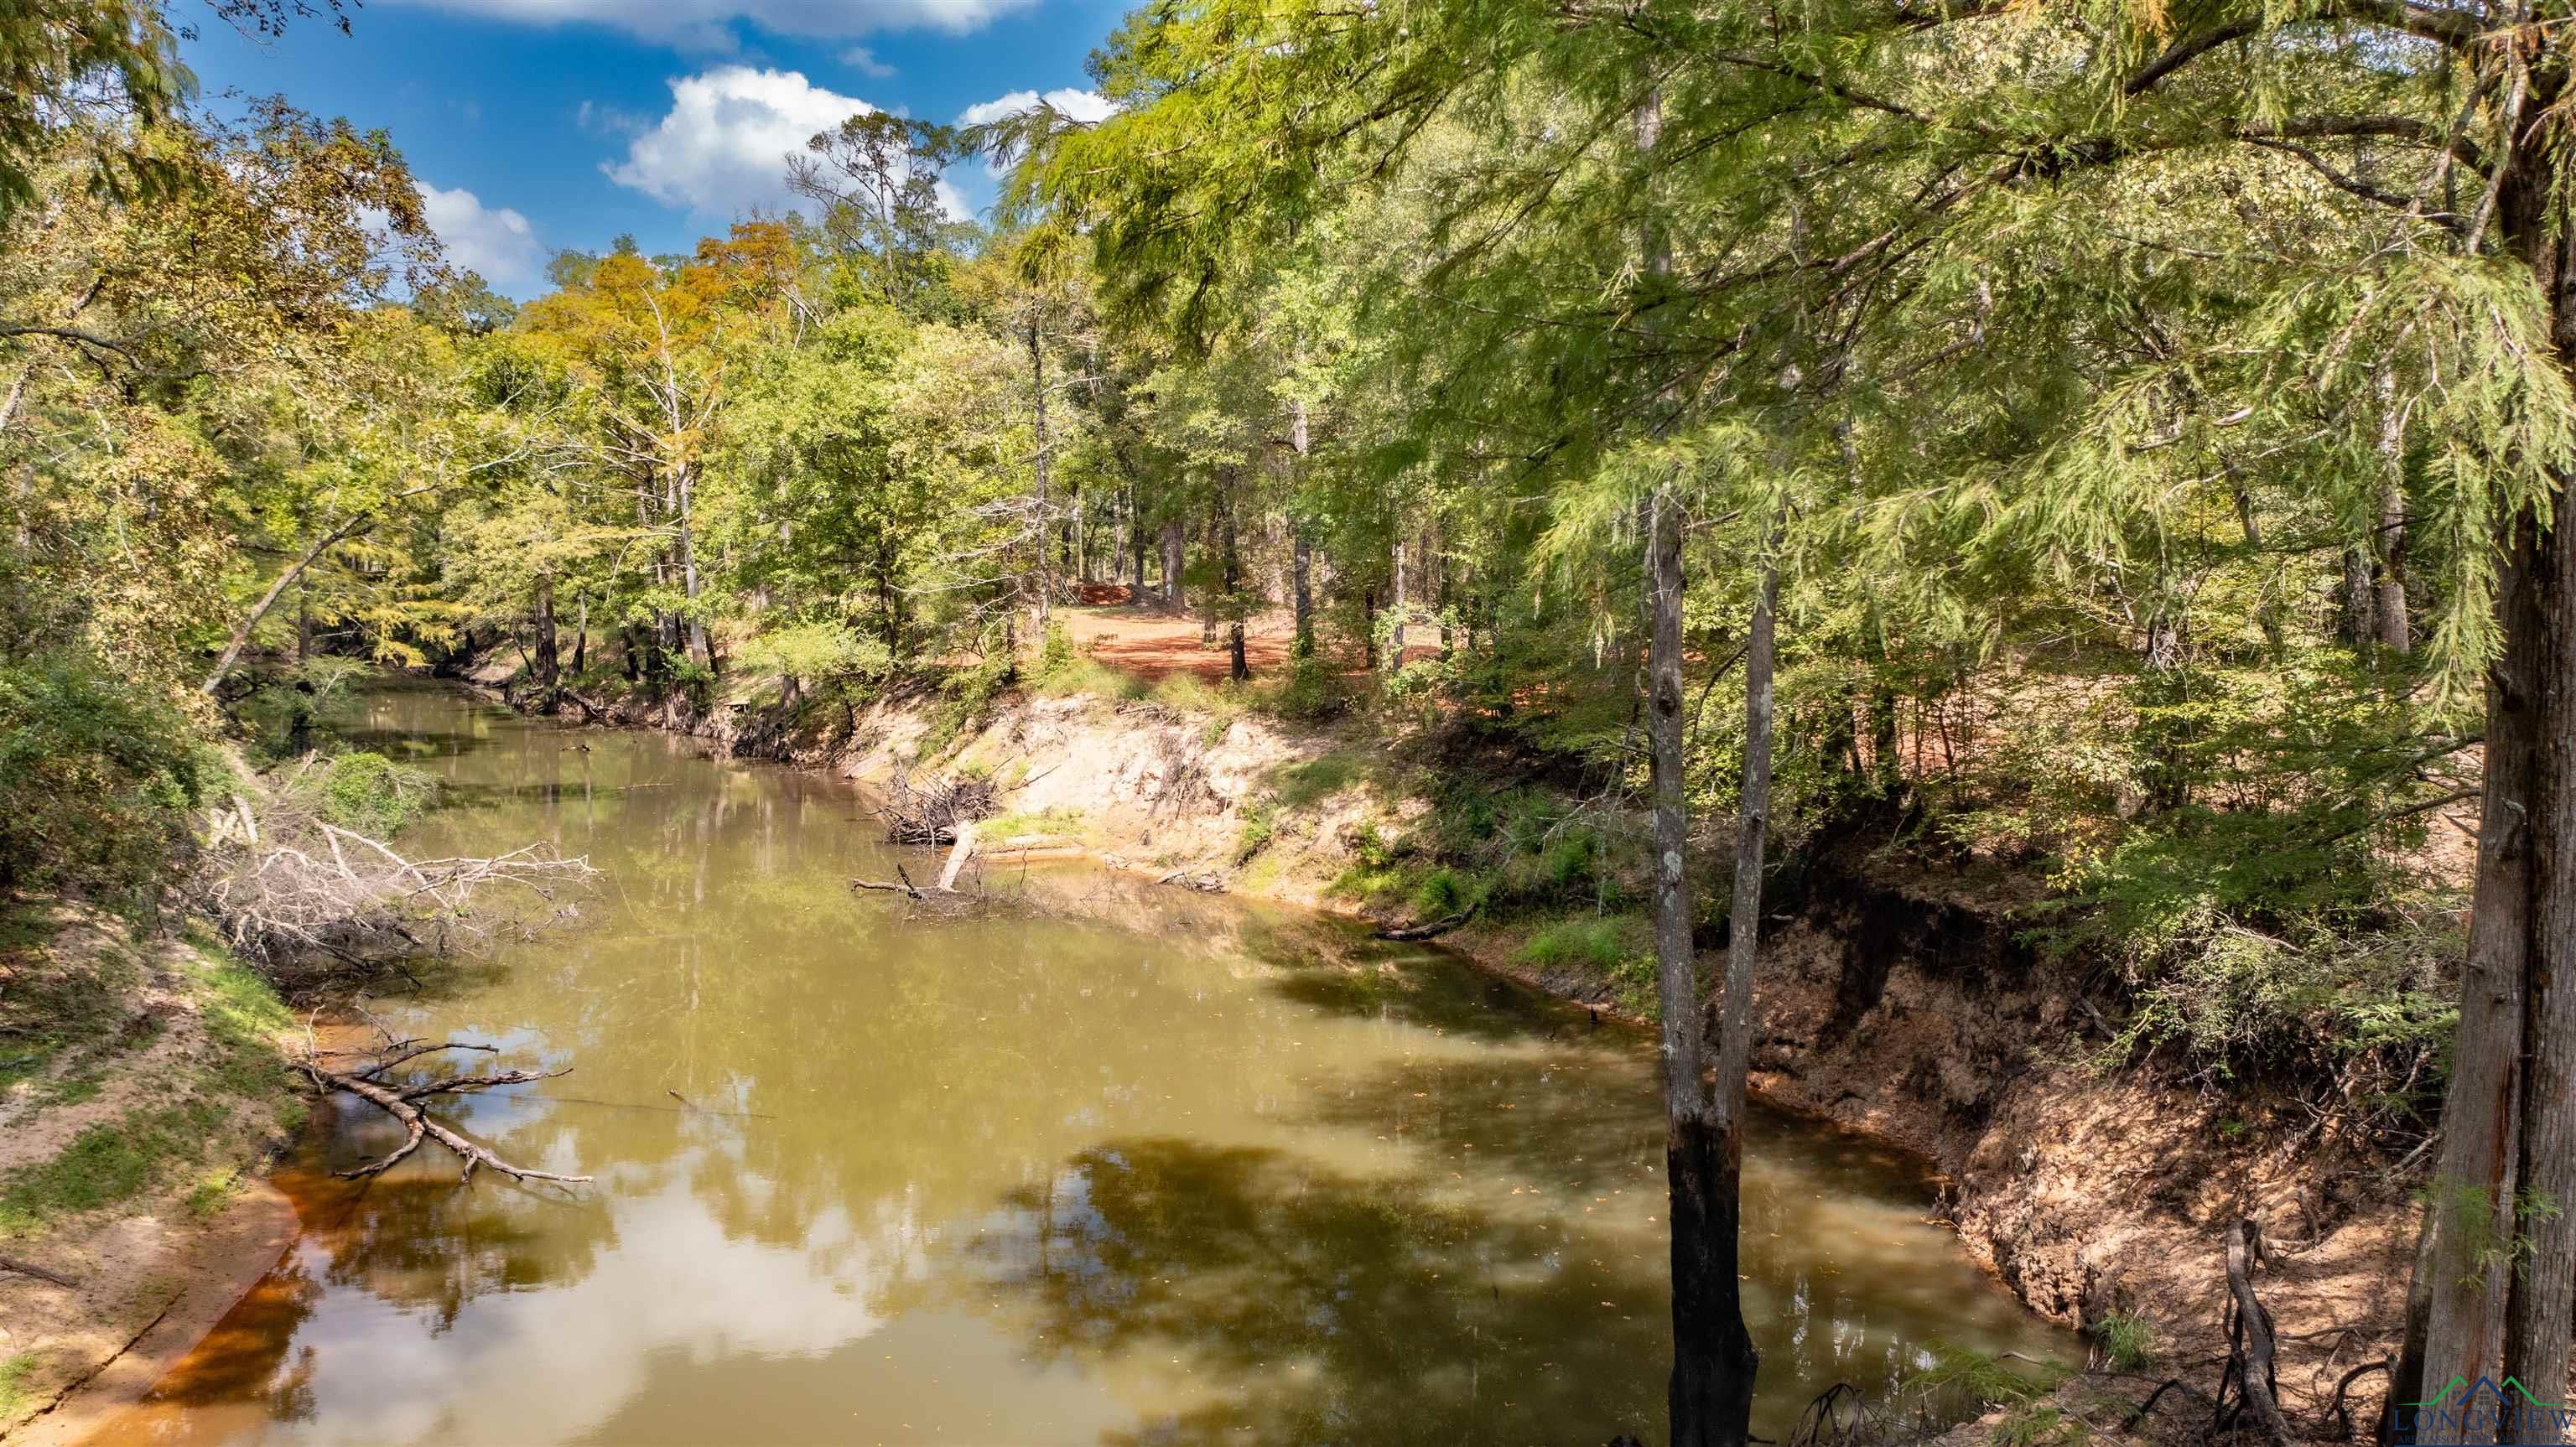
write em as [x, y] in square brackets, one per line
[865, 62]
[701, 24]
[494, 240]
[1087, 106]
[723, 148]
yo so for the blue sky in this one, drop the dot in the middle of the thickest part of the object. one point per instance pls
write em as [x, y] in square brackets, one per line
[539, 125]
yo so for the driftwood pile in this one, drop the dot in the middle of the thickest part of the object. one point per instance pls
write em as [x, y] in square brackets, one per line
[285, 883]
[402, 1102]
[931, 813]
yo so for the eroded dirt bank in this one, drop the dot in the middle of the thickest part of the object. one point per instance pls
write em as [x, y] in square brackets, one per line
[1902, 1004]
[143, 1103]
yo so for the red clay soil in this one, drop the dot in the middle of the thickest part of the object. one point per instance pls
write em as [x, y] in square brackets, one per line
[1154, 643]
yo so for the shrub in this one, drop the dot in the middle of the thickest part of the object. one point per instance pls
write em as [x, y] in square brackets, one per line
[1260, 826]
[374, 795]
[1311, 693]
[1444, 892]
[96, 780]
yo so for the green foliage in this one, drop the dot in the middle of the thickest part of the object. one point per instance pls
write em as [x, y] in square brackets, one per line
[96, 779]
[1444, 892]
[374, 795]
[1260, 826]
[821, 653]
[1311, 692]
[1982, 1377]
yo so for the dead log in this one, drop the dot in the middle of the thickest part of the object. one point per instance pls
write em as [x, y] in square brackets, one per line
[2251, 1359]
[957, 856]
[401, 1102]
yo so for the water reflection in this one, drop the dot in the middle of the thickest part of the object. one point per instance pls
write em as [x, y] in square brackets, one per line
[1142, 1166]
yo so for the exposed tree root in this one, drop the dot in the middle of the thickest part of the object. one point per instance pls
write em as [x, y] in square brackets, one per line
[401, 1102]
[2251, 1364]
[29, 1268]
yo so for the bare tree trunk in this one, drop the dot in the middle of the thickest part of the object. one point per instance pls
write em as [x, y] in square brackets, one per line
[1037, 385]
[2501, 1262]
[1396, 609]
[1709, 1402]
[2167, 775]
[1302, 555]
[2359, 616]
[543, 659]
[1137, 544]
[1238, 667]
[683, 487]
[580, 636]
[1172, 564]
[2541, 1312]
[2396, 632]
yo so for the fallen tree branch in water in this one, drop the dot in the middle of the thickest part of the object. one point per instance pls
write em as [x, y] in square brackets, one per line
[298, 885]
[401, 1102]
[1431, 931]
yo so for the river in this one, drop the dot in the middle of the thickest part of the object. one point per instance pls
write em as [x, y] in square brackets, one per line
[1137, 1166]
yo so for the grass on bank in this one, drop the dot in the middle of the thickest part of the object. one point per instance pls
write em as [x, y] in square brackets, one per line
[14, 1372]
[236, 1071]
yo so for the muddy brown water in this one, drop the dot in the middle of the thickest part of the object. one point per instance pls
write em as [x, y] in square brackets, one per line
[1143, 1167]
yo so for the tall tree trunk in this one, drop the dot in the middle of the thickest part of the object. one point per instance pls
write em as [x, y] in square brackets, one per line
[2502, 1257]
[2388, 544]
[1136, 540]
[1301, 553]
[2358, 618]
[580, 636]
[1711, 1392]
[1037, 386]
[1172, 564]
[1709, 1402]
[683, 485]
[543, 658]
[1396, 609]
[1238, 667]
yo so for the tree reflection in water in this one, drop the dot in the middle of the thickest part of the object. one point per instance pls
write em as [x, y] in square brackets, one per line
[1329, 1307]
